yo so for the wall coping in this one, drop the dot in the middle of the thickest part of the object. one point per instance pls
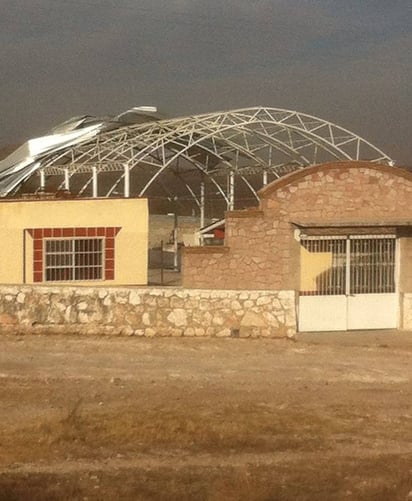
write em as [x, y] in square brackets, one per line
[352, 224]
[142, 289]
[207, 249]
[246, 213]
[344, 165]
[38, 198]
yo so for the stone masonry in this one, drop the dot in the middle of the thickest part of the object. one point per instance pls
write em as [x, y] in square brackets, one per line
[261, 251]
[148, 311]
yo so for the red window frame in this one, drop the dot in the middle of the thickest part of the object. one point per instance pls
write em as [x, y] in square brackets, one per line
[107, 233]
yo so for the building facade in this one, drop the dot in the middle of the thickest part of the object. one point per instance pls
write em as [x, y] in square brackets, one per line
[74, 241]
[338, 234]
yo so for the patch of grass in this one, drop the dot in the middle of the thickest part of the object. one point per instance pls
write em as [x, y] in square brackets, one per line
[40, 488]
[68, 429]
[384, 478]
[245, 428]
[91, 432]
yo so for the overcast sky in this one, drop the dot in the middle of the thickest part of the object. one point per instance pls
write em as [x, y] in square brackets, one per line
[347, 61]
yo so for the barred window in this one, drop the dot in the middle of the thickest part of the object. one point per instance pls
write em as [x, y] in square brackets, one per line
[73, 259]
[332, 267]
[372, 266]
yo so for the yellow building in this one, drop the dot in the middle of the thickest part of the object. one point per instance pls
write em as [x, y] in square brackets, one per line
[83, 241]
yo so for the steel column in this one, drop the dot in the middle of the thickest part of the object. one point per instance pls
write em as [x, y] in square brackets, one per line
[231, 204]
[42, 180]
[66, 180]
[95, 186]
[126, 181]
[202, 209]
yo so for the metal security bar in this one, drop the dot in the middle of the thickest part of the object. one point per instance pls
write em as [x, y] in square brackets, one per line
[325, 259]
[362, 264]
[372, 265]
[73, 259]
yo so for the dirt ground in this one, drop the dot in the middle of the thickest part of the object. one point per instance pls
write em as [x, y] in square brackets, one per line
[327, 417]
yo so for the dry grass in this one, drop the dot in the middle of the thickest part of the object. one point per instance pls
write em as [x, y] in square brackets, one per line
[88, 432]
[382, 479]
[84, 432]
[203, 423]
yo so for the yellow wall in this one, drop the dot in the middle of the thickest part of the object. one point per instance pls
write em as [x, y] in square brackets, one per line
[130, 244]
[312, 265]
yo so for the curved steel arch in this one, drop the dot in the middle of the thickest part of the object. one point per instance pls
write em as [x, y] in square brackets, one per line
[229, 145]
[322, 133]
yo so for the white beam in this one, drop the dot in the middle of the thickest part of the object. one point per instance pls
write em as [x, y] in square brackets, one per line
[42, 180]
[202, 209]
[95, 185]
[66, 180]
[126, 181]
[231, 204]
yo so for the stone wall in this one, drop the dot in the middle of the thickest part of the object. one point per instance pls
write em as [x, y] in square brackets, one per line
[147, 311]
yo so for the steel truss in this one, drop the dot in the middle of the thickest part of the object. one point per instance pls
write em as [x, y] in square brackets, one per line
[219, 151]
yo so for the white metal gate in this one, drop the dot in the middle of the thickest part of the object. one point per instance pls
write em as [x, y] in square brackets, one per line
[348, 283]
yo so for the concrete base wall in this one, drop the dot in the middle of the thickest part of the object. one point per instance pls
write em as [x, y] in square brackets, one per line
[147, 311]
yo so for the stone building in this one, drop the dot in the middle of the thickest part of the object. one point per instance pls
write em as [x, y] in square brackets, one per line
[338, 235]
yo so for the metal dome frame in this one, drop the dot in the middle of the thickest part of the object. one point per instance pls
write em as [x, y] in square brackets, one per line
[232, 145]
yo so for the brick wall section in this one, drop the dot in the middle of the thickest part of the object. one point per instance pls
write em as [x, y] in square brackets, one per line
[261, 251]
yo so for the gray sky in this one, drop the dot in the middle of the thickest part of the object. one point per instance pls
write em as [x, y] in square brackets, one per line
[347, 61]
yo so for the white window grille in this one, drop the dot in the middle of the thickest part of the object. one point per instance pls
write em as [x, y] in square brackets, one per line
[74, 259]
[327, 265]
[372, 265]
[363, 264]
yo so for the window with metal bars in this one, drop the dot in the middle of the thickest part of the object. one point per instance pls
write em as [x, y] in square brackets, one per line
[354, 265]
[325, 266]
[73, 259]
[372, 265]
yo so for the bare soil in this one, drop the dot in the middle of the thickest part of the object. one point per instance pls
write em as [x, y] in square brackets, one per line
[327, 417]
